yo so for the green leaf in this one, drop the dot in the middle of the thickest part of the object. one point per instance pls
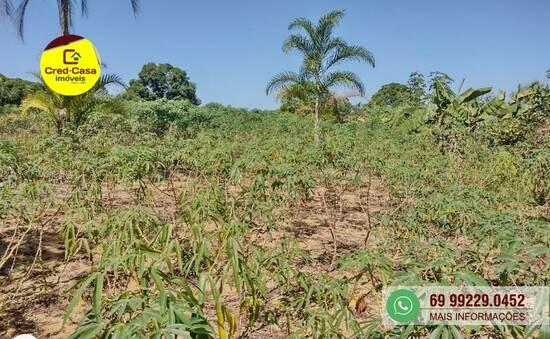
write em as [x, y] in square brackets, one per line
[96, 300]
[161, 289]
[472, 94]
[83, 285]
[88, 331]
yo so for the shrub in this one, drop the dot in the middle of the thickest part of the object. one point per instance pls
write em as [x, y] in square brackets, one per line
[505, 131]
[537, 171]
[12, 91]
[157, 116]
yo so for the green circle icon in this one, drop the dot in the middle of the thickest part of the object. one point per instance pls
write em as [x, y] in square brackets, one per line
[403, 305]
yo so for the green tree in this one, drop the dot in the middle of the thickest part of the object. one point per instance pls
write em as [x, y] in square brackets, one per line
[417, 86]
[162, 81]
[392, 94]
[12, 91]
[73, 110]
[548, 74]
[66, 13]
[441, 78]
[321, 53]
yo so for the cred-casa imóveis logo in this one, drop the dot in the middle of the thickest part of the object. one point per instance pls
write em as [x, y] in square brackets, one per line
[70, 65]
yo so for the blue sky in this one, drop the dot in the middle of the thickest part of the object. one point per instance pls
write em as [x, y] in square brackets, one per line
[230, 49]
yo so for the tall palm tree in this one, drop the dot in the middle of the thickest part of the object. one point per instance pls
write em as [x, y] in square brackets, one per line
[66, 9]
[322, 53]
[73, 110]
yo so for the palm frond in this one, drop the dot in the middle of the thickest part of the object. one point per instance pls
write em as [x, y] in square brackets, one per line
[298, 42]
[345, 52]
[344, 78]
[19, 19]
[110, 79]
[331, 19]
[19, 15]
[296, 90]
[41, 101]
[334, 43]
[304, 24]
[326, 25]
[135, 6]
[84, 8]
[5, 8]
[85, 102]
[283, 79]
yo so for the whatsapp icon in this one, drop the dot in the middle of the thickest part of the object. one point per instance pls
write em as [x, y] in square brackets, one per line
[403, 305]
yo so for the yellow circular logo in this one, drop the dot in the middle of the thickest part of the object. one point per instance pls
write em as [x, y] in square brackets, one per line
[70, 65]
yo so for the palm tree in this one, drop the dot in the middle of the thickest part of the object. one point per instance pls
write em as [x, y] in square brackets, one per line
[66, 9]
[322, 53]
[73, 110]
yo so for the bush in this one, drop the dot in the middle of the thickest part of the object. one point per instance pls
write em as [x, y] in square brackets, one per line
[157, 116]
[12, 91]
[505, 131]
[13, 123]
[7, 109]
[538, 167]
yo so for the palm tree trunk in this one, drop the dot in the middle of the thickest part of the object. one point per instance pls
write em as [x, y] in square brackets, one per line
[316, 128]
[64, 16]
[58, 120]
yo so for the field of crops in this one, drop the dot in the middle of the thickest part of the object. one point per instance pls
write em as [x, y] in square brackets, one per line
[234, 223]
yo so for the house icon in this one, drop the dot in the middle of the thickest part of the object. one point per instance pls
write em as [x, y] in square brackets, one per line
[76, 56]
[71, 57]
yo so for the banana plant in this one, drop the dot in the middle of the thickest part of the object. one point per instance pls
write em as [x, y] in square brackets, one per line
[461, 107]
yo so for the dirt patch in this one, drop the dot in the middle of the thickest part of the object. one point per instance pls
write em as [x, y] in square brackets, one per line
[337, 220]
[34, 301]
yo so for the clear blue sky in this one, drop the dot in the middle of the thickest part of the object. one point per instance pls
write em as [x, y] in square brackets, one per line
[230, 49]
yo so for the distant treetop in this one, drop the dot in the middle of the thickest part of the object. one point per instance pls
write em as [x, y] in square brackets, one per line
[392, 94]
[157, 81]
